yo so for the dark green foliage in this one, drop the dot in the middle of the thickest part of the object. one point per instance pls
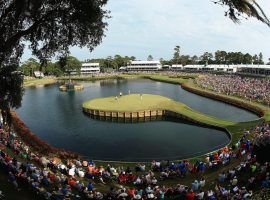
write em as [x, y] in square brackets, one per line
[150, 58]
[11, 90]
[69, 65]
[176, 55]
[49, 26]
[219, 57]
[30, 66]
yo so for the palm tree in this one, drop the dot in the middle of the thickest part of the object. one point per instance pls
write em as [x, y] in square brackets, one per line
[237, 8]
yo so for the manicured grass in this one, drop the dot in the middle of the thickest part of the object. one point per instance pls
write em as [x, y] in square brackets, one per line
[128, 103]
[39, 82]
[166, 79]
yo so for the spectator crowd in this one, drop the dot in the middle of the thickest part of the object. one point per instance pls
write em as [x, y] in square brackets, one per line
[254, 89]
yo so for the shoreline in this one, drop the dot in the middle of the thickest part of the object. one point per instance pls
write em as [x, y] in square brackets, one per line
[39, 82]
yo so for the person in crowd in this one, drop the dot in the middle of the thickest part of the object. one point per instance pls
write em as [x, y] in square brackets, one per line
[252, 89]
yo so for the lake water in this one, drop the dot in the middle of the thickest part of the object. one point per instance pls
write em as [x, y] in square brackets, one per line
[57, 118]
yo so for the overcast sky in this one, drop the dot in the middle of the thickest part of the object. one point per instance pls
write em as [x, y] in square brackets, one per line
[142, 27]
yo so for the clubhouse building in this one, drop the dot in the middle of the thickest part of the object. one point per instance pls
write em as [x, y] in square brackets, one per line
[205, 68]
[144, 66]
[90, 68]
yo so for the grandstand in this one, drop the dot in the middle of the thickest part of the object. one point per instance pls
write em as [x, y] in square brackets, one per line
[262, 70]
[144, 66]
[90, 68]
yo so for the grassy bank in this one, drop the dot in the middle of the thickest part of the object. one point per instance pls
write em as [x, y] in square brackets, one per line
[39, 82]
[89, 78]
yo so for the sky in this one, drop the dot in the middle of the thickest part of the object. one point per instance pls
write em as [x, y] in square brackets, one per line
[154, 27]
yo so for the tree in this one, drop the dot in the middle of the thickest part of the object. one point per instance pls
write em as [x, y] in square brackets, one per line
[255, 59]
[185, 60]
[70, 65]
[150, 58]
[127, 60]
[119, 61]
[49, 26]
[194, 60]
[237, 58]
[220, 57]
[11, 90]
[176, 55]
[53, 69]
[261, 58]
[133, 58]
[206, 58]
[250, 8]
[161, 60]
[30, 66]
[247, 59]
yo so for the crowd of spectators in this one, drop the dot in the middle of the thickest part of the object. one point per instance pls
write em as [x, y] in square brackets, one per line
[52, 178]
[254, 89]
[262, 135]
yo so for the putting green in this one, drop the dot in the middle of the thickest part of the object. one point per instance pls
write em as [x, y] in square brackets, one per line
[135, 103]
[128, 103]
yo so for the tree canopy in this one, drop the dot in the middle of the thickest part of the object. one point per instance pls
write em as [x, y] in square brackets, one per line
[176, 54]
[11, 90]
[29, 66]
[49, 26]
[218, 57]
[150, 58]
[69, 64]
